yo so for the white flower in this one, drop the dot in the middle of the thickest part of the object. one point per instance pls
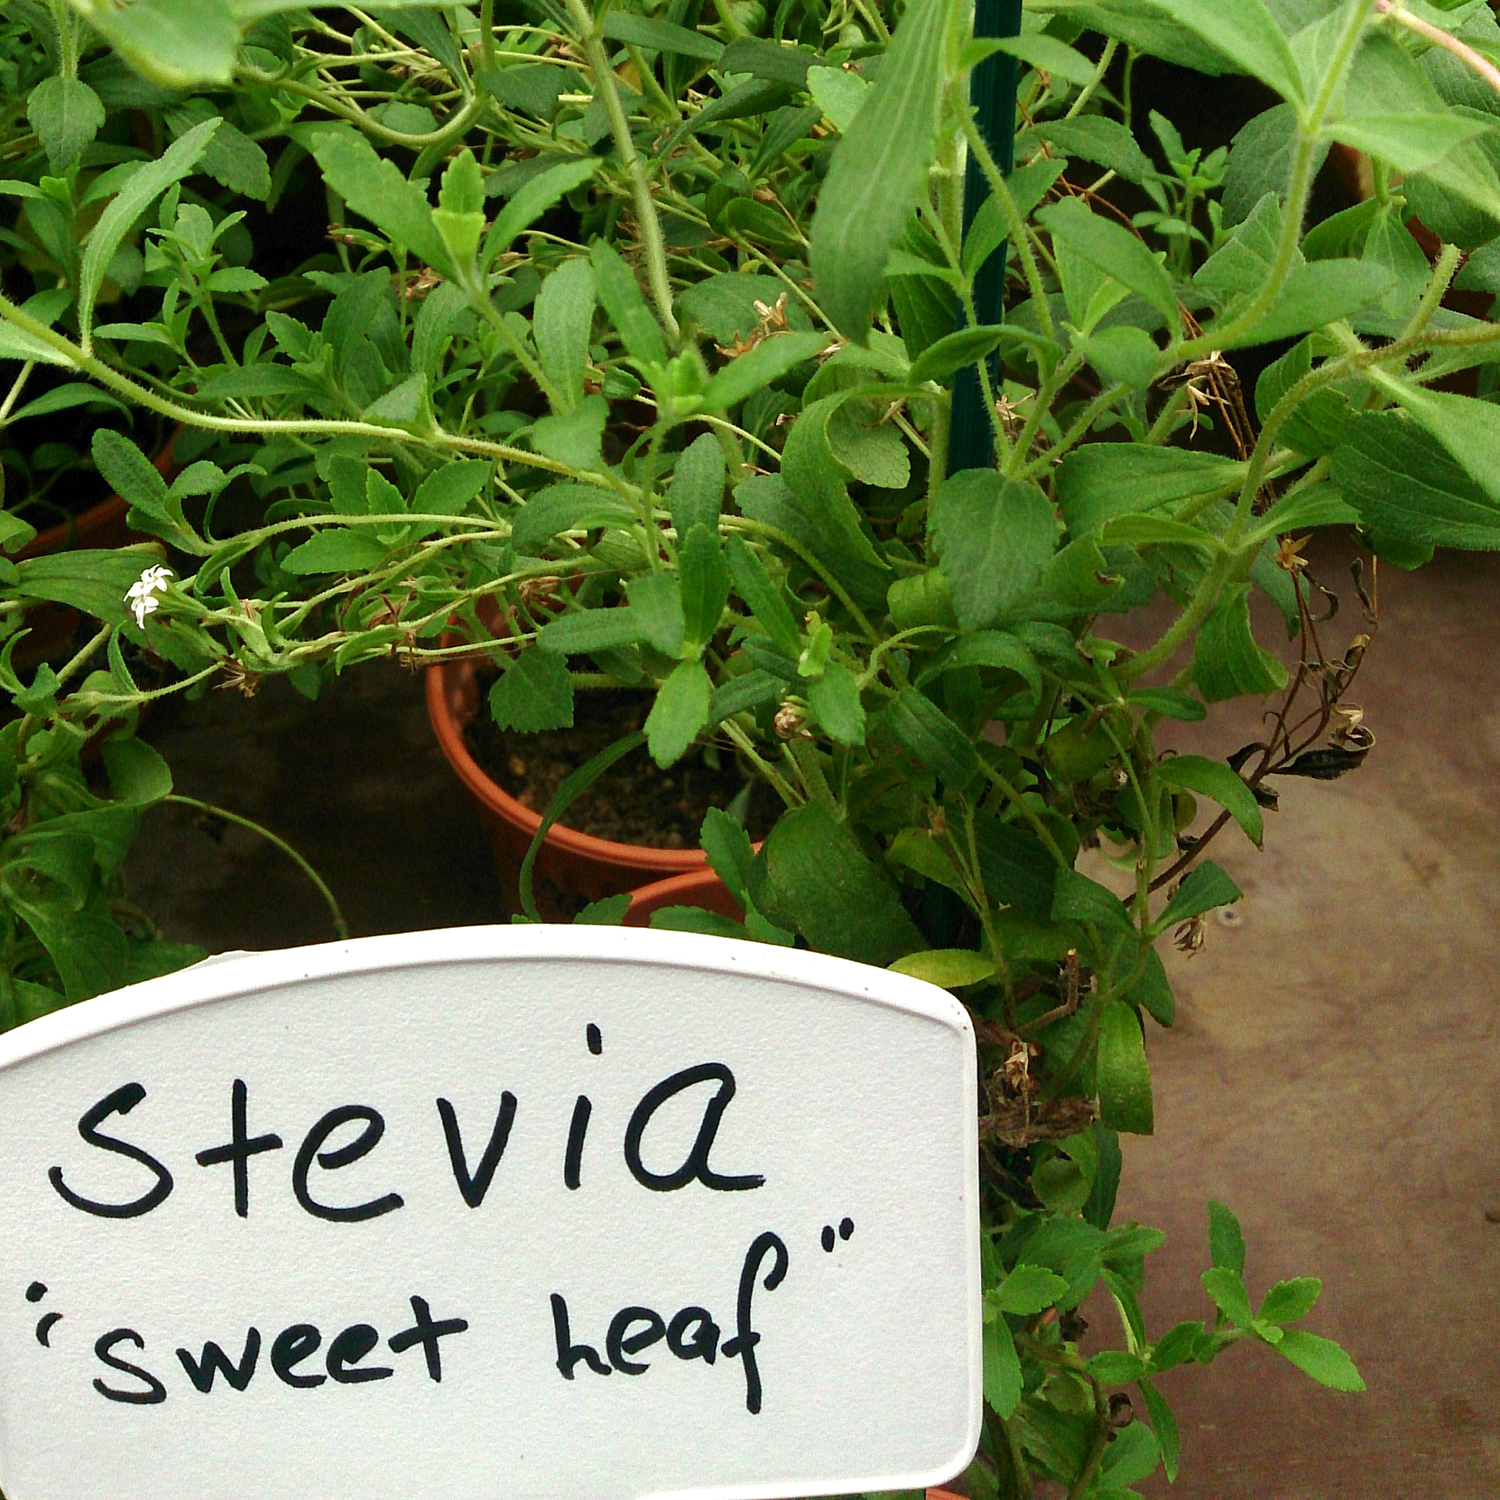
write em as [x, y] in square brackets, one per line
[142, 595]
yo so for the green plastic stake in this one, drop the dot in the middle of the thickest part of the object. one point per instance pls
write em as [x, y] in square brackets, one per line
[992, 88]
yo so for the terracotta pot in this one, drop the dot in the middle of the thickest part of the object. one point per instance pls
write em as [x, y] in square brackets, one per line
[579, 866]
[100, 526]
[698, 888]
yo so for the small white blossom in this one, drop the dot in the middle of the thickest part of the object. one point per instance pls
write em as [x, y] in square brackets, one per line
[142, 595]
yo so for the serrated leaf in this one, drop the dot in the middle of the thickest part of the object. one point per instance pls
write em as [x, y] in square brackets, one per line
[813, 877]
[1290, 1301]
[1227, 1289]
[729, 850]
[1099, 481]
[170, 43]
[1098, 139]
[1214, 779]
[696, 493]
[377, 190]
[620, 296]
[1164, 1426]
[66, 115]
[1226, 1240]
[995, 536]
[535, 692]
[1028, 1290]
[1002, 1370]
[566, 507]
[963, 347]
[336, 550]
[1320, 1358]
[561, 323]
[878, 169]
[678, 713]
[704, 579]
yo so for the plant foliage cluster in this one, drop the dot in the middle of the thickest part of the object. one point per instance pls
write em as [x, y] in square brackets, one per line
[616, 343]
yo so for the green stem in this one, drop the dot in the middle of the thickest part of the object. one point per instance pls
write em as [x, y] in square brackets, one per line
[652, 240]
[1186, 623]
[1020, 236]
[340, 926]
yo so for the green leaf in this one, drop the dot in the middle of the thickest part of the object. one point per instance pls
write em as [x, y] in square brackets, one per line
[1099, 481]
[656, 604]
[1214, 779]
[1028, 1290]
[1002, 1370]
[1226, 1240]
[1227, 663]
[1079, 578]
[238, 162]
[376, 189]
[1227, 1289]
[923, 730]
[1123, 355]
[1097, 139]
[660, 36]
[1315, 295]
[1404, 484]
[1290, 1301]
[704, 579]
[170, 43]
[1164, 1425]
[729, 850]
[62, 397]
[986, 648]
[679, 712]
[1114, 250]
[1116, 1367]
[592, 630]
[1440, 147]
[813, 877]
[66, 115]
[1320, 1358]
[995, 536]
[1169, 702]
[879, 168]
[610, 912]
[138, 775]
[575, 438]
[1245, 33]
[535, 692]
[834, 700]
[766, 600]
[759, 367]
[621, 298]
[1202, 889]
[838, 94]
[949, 969]
[958, 350]
[696, 493]
[531, 200]
[448, 490]
[155, 177]
[337, 550]
[1015, 866]
[1123, 1078]
[94, 581]
[566, 507]
[1049, 55]
[561, 323]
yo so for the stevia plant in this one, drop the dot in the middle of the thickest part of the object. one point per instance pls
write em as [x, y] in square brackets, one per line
[621, 345]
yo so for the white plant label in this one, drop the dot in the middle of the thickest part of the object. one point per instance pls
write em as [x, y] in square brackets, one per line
[496, 1212]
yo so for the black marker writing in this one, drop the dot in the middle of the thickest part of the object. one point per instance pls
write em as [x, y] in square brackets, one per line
[122, 1101]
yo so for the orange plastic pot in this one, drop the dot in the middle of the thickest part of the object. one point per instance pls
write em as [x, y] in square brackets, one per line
[578, 865]
[697, 888]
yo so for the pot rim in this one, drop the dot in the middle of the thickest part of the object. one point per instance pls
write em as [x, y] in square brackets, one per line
[491, 795]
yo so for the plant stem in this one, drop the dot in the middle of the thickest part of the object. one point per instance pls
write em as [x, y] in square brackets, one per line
[1435, 34]
[652, 241]
[340, 926]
